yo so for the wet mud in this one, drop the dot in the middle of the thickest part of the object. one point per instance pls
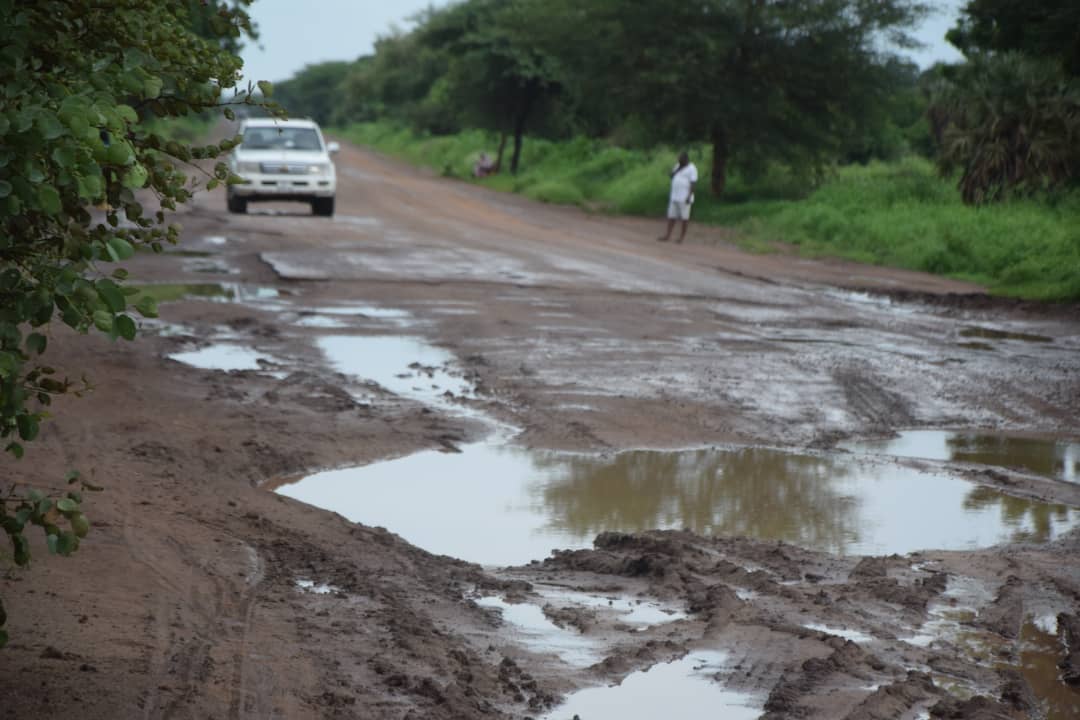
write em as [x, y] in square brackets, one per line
[781, 487]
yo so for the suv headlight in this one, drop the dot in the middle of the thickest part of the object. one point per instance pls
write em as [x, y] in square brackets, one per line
[243, 168]
[318, 169]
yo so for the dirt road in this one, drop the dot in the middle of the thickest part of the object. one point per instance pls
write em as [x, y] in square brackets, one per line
[575, 333]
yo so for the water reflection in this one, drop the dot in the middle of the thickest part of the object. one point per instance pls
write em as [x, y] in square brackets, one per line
[1058, 459]
[755, 492]
[829, 502]
[1033, 521]
[495, 504]
[1044, 457]
[1039, 653]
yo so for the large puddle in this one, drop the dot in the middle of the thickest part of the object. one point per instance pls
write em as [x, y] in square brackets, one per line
[500, 505]
[1056, 459]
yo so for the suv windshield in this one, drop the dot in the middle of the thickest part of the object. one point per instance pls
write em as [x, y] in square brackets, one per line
[281, 138]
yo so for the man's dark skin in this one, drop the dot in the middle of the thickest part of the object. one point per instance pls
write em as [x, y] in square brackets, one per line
[684, 160]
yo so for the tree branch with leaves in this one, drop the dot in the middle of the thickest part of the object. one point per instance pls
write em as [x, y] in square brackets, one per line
[80, 82]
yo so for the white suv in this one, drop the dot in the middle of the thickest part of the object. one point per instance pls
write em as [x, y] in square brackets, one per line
[283, 160]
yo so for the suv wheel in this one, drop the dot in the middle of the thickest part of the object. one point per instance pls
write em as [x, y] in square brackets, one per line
[322, 206]
[236, 204]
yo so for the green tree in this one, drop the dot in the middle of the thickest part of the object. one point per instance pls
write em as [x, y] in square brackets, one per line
[78, 79]
[499, 78]
[396, 83]
[315, 91]
[759, 80]
[1047, 29]
[1008, 120]
[1009, 124]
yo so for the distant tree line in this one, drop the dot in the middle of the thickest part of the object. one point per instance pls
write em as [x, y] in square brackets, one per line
[803, 82]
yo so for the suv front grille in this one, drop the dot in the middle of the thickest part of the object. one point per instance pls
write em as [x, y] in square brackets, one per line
[280, 168]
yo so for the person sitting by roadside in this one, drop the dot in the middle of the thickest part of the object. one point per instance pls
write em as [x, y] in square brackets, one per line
[484, 166]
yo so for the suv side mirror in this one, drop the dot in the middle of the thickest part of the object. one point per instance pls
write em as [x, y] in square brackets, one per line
[332, 147]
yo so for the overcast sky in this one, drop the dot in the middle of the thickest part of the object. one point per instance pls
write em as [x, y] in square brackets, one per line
[294, 34]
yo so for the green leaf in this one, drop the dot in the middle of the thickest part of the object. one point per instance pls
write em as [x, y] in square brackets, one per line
[72, 476]
[53, 542]
[79, 525]
[67, 544]
[36, 342]
[266, 88]
[147, 306]
[49, 126]
[27, 425]
[5, 188]
[121, 248]
[152, 87]
[103, 321]
[3, 637]
[66, 505]
[127, 113]
[125, 326]
[22, 549]
[49, 199]
[64, 156]
[15, 449]
[90, 187]
[111, 295]
[119, 153]
[136, 177]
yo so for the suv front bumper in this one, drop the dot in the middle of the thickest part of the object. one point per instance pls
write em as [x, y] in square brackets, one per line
[285, 187]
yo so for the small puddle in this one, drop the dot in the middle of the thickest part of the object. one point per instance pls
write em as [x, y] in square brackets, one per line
[991, 334]
[317, 588]
[680, 689]
[643, 614]
[223, 357]
[853, 635]
[406, 366]
[500, 505]
[322, 322]
[1058, 459]
[369, 311]
[543, 636]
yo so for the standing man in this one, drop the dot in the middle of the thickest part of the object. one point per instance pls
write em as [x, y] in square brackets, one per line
[683, 180]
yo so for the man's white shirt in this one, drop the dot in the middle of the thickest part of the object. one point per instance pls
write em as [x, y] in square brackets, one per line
[680, 182]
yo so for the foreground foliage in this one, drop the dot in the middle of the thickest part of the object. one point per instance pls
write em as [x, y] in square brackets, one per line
[81, 81]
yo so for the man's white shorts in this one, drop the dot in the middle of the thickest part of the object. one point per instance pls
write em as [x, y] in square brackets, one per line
[678, 210]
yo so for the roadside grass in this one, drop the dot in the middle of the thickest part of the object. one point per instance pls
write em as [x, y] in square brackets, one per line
[171, 292]
[187, 128]
[900, 214]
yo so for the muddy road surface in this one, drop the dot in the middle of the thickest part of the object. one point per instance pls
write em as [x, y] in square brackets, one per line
[453, 454]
